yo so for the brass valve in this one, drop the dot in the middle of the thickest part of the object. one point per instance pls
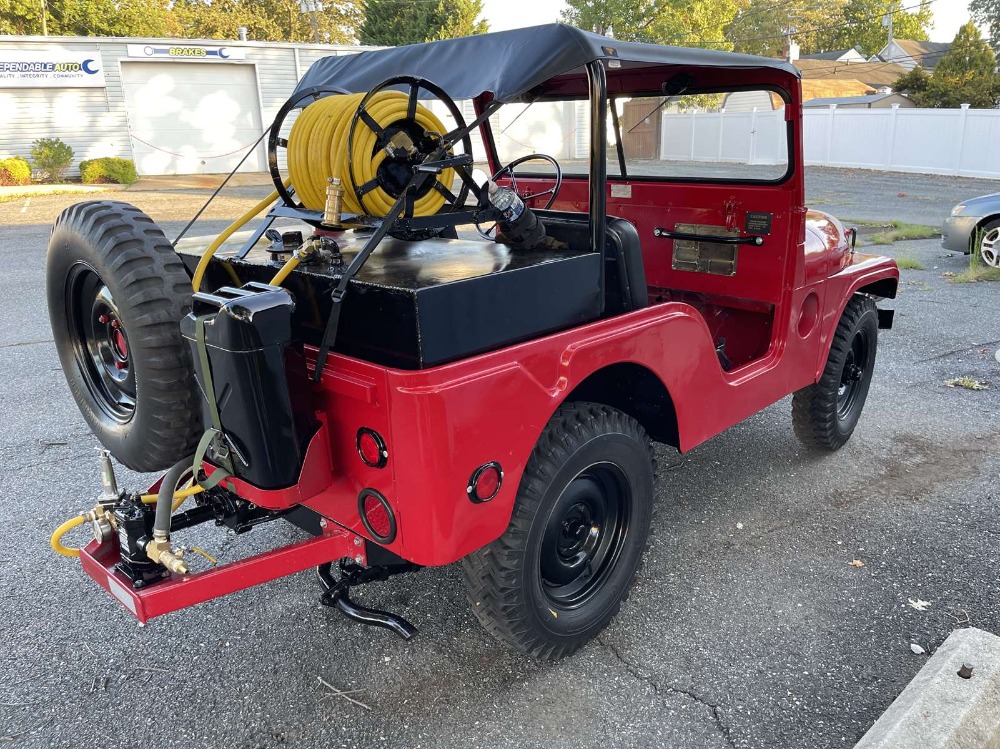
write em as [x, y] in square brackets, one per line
[160, 551]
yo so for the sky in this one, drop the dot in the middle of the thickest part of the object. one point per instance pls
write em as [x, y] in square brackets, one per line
[510, 14]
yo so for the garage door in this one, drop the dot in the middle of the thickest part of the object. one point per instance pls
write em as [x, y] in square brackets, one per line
[192, 118]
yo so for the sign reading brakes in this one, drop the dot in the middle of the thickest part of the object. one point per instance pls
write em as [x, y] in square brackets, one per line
[186, 52]
[52, 69]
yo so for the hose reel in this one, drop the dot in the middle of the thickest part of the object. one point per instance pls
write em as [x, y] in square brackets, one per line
[372, 142]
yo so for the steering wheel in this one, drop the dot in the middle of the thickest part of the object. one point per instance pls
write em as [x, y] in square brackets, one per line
[552, 192]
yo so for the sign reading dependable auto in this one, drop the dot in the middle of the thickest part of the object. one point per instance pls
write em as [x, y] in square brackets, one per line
[51, 69]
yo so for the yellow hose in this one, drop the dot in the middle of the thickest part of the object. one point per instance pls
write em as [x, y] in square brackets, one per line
[317, 150]
[199, 272]
[68, 551]
[290, 265]
[62, 530]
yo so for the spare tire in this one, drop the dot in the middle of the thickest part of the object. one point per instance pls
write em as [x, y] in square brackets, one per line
[117, 292]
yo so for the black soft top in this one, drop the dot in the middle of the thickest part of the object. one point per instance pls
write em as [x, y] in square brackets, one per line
[510, 63]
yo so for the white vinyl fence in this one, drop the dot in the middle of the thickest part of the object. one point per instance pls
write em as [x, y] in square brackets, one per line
[963, 142]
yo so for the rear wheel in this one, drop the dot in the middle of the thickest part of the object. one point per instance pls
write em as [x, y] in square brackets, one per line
[576, 537]
[116, 294]
[824, 415]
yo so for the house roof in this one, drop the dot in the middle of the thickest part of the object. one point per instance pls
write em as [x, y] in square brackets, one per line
[510, 63]
[873, 74]
[834, 54]
[842, 100]
[925, 54]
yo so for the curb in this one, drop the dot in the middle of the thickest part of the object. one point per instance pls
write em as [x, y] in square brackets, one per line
[941, 709]
[30, 191]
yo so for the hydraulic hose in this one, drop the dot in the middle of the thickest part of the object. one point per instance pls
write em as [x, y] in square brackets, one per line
[165, 497]
[56, 541]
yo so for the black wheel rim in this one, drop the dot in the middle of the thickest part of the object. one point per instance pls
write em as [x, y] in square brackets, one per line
[853, 375]
[100, 343]
[585, 535]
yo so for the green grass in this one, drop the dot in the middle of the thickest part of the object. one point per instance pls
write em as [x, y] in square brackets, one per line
[909, 263]
[901, 232]
[976, 274]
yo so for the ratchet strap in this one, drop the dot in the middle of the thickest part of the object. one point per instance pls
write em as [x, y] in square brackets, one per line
[214, 437]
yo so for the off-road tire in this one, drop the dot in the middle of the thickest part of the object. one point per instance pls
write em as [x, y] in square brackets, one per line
[505, 581]
[151, 292]
[821, 421]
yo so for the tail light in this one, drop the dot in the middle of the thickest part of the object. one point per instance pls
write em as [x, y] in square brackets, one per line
[377, 516]
[485, 482]
[371, 448]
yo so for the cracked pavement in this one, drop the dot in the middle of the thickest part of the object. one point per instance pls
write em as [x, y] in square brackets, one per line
[748, 627]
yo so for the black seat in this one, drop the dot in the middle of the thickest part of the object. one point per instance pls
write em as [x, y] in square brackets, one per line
[624, 245]
[624, 274]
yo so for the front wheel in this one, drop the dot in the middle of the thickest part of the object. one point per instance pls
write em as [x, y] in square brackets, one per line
[825, 414]
[577, 534]
[987, 241]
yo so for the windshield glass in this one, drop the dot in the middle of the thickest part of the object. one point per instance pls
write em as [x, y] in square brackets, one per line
[737, 135]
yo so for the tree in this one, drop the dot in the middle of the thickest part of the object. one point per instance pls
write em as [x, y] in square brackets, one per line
[966, 74]
[760, 26]
[987, 13]
[268, 20]
[677, 22]
[862, 24]
[396, 22]
[20, 17]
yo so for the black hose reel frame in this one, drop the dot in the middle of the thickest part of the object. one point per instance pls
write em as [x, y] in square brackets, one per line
[415, 84]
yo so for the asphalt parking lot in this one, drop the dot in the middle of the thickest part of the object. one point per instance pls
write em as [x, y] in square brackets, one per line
[749, 626]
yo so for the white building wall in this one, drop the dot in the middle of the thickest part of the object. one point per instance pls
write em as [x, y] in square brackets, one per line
[95, 121]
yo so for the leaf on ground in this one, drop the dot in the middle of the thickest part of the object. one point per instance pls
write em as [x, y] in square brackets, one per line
[918, 604]
[857, 563]
[917, 650]
[968, 383]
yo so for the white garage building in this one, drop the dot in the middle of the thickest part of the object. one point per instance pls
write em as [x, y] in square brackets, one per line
[174, 106]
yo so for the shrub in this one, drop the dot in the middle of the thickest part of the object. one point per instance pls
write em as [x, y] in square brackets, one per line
[109, 170]
[14, 171]
[51, 157]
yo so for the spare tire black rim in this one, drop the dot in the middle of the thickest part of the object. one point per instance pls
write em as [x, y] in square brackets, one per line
[855, 367]
[585, 534]
[100, 343]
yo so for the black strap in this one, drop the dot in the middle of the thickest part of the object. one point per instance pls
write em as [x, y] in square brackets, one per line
[214, 437]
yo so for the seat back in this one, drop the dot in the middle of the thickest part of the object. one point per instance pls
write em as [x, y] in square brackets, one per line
[624, 274]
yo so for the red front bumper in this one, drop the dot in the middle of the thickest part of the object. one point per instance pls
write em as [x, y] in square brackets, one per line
[181, 591]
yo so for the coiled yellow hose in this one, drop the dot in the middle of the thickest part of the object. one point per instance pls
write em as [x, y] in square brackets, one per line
[317, 150]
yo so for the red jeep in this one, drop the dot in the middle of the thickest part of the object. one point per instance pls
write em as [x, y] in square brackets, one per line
[411, 395]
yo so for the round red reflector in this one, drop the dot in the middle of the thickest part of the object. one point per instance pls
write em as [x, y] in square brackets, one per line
[371, 448]
[376, 515]
[485, 482]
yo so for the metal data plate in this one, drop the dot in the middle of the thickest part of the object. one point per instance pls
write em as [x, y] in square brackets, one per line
[705, 257]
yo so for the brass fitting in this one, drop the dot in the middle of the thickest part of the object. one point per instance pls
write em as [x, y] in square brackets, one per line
[334, 202]
[400, 145]
[160, 551]
[101, 523]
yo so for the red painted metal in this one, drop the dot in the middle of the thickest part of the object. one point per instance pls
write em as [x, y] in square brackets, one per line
[179, 592]
[777, 313]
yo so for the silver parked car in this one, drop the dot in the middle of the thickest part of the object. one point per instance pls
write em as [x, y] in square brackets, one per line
[974, 226]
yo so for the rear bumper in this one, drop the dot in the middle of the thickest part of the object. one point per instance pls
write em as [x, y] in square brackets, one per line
[956, 231]
[179, 592]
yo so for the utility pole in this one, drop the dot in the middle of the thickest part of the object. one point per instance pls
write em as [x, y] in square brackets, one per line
[45, 23]
[311, 7]
[888, 20]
